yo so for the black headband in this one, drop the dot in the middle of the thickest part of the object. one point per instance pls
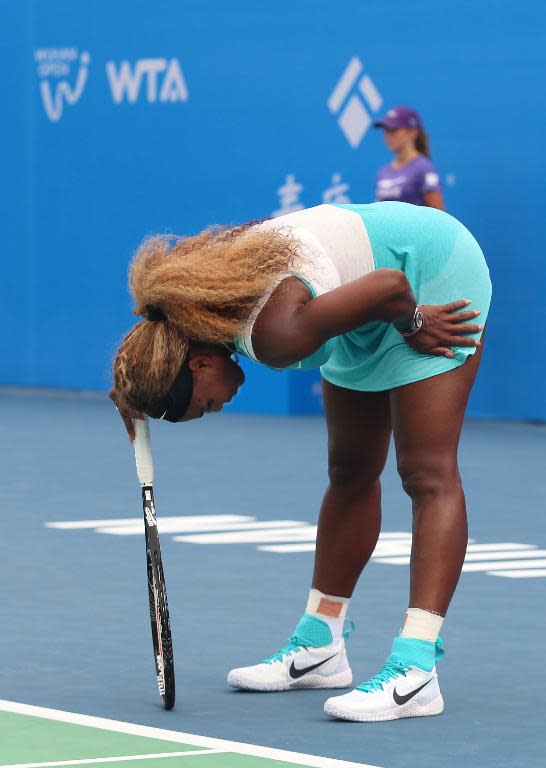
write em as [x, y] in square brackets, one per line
[155, 314]
[174, 404]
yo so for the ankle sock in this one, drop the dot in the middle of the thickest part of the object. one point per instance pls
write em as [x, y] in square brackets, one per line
[417, 653]
[422, 625]
[330, 609]
[313, 632]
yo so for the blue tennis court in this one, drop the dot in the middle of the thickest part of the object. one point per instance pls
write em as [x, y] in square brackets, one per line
[77, 636]
[309, 185]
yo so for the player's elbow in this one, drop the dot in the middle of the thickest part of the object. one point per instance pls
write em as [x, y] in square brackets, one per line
[395, 282]
[397, 293]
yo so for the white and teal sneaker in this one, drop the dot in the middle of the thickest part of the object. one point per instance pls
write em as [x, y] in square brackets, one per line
[310, 659]
[407, 686]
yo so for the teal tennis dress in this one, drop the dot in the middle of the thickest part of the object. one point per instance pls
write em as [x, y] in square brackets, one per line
[339, 243]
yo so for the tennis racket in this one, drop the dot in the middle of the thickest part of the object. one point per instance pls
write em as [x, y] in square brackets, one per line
[157, 593]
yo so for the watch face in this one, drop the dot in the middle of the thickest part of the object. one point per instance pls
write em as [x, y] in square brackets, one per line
[418, 318]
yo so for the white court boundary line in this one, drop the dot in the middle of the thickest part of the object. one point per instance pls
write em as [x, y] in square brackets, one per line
[205, 742]
[124, 758]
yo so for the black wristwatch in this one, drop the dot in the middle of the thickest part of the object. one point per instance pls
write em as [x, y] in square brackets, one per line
[416, 323]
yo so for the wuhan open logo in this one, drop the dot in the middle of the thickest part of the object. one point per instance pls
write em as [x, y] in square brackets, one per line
[63, 75]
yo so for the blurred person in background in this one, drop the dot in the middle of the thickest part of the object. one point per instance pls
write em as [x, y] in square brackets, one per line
[411, 176]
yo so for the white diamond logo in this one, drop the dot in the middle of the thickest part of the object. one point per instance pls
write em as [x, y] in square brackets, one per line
[353, 111]
[354, 121]
[370, 93]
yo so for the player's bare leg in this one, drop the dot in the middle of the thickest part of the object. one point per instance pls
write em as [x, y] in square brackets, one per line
[350, 519]
[427, 418]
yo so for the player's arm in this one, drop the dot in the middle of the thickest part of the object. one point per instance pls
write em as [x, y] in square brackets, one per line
[292, 326]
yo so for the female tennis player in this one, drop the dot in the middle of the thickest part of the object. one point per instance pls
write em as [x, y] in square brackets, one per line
[410, 177]
[385, 298]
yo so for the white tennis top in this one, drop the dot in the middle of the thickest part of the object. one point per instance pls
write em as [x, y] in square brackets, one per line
[334, 248]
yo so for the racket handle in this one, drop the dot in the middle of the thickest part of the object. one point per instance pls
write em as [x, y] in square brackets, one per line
[143, 452]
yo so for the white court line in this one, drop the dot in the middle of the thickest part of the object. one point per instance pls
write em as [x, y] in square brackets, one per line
[69, 525]
[130, 522]
[486, 565]
[390, 548]
[512, 555]
[133, 729]
[504, 565]
[531, 573]
[124, 758]
[387, 540]
[283, 548]
[474, 557]
[391, 543]
[302, 532]
[167, 526]
[497, 547]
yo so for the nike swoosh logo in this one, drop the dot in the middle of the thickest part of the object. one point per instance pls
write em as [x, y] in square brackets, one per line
[403, 699]
[295, 673]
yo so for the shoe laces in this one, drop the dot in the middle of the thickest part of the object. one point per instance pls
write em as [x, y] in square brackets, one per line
[295, 644]
[393, 668]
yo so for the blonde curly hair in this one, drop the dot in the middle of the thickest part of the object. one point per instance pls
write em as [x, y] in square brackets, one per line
[205, 286]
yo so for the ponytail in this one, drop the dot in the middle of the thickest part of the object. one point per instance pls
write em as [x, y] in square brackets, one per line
[208, 284]
[421, 143]
[148, 361]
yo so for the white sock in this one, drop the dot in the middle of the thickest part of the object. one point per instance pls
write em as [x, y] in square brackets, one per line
[422, 625]
[330, 609]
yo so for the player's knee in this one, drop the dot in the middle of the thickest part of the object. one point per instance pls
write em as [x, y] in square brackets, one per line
[427, 476]
[348, 473]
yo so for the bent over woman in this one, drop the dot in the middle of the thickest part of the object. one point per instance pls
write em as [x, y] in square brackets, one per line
[385, 298]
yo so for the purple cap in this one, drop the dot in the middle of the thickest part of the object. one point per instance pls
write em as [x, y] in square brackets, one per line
[399, 117]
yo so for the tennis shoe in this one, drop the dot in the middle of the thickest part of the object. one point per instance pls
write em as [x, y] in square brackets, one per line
[407, 686]
[310, 659]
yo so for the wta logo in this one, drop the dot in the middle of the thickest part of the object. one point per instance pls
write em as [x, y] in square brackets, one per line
[63, 75]
[156, 80]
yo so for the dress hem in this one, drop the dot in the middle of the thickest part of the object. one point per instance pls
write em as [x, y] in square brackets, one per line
[449, 365]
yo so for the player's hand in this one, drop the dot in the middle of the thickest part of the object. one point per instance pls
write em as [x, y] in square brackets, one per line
[126, 411]
[445, 326]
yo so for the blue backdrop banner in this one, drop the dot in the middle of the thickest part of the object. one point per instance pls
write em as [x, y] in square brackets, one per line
[129, 118]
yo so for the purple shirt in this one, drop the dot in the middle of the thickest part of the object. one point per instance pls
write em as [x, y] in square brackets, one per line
[409, 183]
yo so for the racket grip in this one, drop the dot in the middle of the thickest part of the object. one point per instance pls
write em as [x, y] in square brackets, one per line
[143, 452]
